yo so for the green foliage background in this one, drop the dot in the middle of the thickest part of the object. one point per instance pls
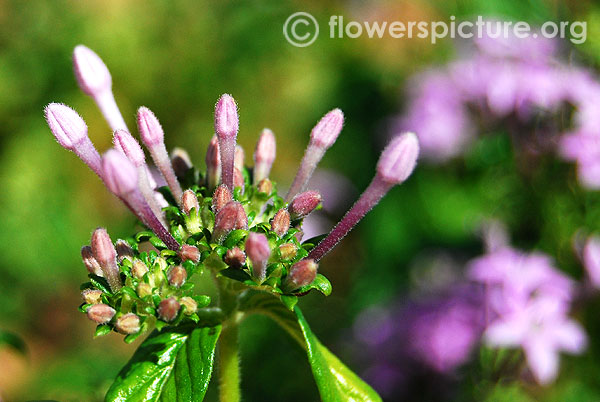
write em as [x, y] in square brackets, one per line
[177, 58]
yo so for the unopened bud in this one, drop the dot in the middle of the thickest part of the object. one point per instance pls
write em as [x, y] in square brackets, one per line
[288, 251]
[226, 117]
[190, 305]
[265, 186]
[231, 217]
[259, 251]
[125, 143]
[68, 127]
[280, 223]
[264, 155]
[120, 174]
[235, 258]
[161, 263]
[238, 178]
[221, 197]
[327, 129]
[92, 296]
[177, 276]
[301, 274]
[90, 262]
[238, 160]
[104, 252]
[398, 159]
[304, 203]
[139, 269]
[213, 163]
[91, 73]
[181, 162]
[100, 313]
[144, 289]
[150, 129]
[190, 253]
[124, 250]
[168, 309]
[189, 201]
[128, 324]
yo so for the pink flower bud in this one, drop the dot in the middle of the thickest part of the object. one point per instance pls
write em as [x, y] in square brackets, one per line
[398, 159]
[90, 262]
[304, 203]
[150, 129]
[100, 313]
[264, 155]
[177, 276]
[120, 174]
[226, 117]
[327, 129]
[144, 289]
[301, 274]
[280, 223]
[188, 252]
[288, 250]
[265, 186]
[238, 161]
[235, 258]
[104, 252]
[259, 251]
[91, 73]
[168, 309]
[68, 127]
[231, 217]
[92, 296]
[139, 269]
[591, 260]
[189, 201]
[221, 197]
[238, 178]
[128, 324]
[125, 143]
[181, 162]
[124, 250]
[213, 163]
[190, 305]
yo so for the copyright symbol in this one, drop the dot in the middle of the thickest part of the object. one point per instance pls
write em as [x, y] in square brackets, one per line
[301, 29]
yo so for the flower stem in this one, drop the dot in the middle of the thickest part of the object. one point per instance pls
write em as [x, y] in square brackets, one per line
[229, 363]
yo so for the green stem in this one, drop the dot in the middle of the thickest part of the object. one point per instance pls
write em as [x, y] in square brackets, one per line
[229, 363]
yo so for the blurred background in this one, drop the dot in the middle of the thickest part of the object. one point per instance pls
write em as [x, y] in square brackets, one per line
[177, 58]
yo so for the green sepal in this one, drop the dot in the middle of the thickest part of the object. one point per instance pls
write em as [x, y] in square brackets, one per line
[99, 283]
[158, 243]
[321, 283]
[102, 330]
[143, 235]
[289, 301]
[234, 238]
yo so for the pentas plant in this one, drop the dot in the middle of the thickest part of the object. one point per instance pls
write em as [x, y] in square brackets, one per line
[229, 222]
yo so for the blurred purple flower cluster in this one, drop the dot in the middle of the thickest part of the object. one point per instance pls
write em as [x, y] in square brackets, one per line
[522, 84]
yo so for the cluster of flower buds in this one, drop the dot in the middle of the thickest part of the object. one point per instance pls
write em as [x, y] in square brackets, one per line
[230, 220]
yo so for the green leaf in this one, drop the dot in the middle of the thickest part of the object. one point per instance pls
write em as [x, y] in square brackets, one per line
[173, 365]
[336, 382]
[13, 341]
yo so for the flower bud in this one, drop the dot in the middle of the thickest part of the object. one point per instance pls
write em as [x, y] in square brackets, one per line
[288, 251]
[264, 155]
[304, 203]
[68, 127]
[301, 274]
[259, 251]
[235, 258]
[188, 252]
[144, 289]
[181, 162]
[189, 201]
[190, 305]
[150, 129]
[226, 117]
[213, 163]
[327, 129]
[591, 260]
[177, 276]
[92, 296]
[91, 73]
[120, 174]
[90, 262]
[238, 178]
[231, 217]
[168, 309]
[128, 324]
[161, 263]
[104, 252]
[265, 186]
[280, 223]
[398, 159]
[100, 313]
[124, 250]
[125, 143]
[139, 269]
[221, 197]
[238, 160]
